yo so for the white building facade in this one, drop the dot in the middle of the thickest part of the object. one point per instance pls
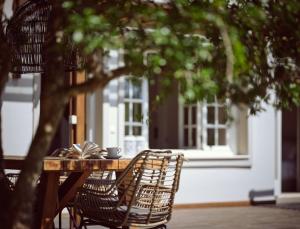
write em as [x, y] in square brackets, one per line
[226, 161]
[232, 162]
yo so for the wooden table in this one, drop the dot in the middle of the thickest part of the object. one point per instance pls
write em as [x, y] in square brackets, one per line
[54, 197]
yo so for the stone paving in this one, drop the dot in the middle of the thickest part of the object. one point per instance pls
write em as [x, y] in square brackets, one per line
[235, 218]
[260, 217]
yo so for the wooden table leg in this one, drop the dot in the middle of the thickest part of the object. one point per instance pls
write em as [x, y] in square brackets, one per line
[69, 188]
[53, 198]
[47, 200]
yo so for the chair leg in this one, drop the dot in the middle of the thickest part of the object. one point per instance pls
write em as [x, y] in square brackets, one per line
[73, 218]
[59, 220]
[82, 224]
[162, 226]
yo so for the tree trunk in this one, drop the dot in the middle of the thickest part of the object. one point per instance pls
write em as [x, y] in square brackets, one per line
[5, 191]
[4, 69]
[21, 207]
[53, 101]
[17, 212]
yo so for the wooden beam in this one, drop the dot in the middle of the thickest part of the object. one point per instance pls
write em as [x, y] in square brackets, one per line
[14, 162]
[80, 111]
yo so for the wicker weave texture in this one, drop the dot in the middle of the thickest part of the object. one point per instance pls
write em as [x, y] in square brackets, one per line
[142, 196]
[28, 36]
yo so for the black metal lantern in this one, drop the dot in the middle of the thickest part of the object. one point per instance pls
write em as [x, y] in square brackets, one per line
[27, 36]
[26, 33]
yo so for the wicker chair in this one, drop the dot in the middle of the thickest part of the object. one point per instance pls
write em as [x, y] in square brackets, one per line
[103, 180]
[142, 196]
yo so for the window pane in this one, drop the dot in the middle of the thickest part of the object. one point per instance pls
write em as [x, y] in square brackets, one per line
[137, 130]
[210, 115]
[186, 137]
[222, 136]
[194, 136]
[137, 112]
[222, 115]
[126, 112]
[126, 130]
[137, 89]
[127, 86]
[210, 137]
[186, 115]
[194, 114]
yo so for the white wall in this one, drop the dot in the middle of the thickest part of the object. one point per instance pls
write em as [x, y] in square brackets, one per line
[20, 111]
[110, 115]
[20, 108]
[16, 127]
[94, 115]
[207, 185]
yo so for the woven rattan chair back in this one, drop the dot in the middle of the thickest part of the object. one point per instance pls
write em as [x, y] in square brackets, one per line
[142, 196]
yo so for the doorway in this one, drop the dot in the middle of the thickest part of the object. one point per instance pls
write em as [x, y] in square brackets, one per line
[290, 181]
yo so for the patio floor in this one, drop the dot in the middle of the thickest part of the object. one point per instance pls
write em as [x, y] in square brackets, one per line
[254, 217]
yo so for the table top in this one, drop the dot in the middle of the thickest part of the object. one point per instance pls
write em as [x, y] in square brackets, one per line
[63, 164]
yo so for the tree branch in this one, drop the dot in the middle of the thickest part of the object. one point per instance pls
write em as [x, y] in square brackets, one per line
[228, 51]
[218, 21]
[99, 81]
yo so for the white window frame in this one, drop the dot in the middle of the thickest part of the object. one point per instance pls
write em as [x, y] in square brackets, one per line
[216, 126]
[113, 121]
[145, 107]
[202, 149]
[130, 123]
[190, 126]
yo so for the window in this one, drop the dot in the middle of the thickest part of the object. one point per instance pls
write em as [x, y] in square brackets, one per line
[191, 126]
[133, 122]
[133, 101]
[204, 125]
[214, 121]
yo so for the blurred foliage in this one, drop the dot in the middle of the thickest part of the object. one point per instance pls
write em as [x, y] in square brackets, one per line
[197, 42]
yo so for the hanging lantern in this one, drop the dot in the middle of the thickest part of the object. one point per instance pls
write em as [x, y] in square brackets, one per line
[27, 36]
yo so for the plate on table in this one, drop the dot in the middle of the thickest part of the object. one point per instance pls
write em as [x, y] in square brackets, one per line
[108, 157]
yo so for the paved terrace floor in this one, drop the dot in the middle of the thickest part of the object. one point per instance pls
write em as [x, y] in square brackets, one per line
[254, 217]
